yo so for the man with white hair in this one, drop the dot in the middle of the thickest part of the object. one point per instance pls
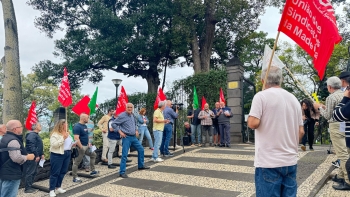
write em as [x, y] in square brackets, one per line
[338, 137]
[125, 124]
[206, 116]
[275, 114]
[34, 144]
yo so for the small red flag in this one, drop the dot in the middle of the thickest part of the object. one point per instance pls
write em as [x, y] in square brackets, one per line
[203, 102]
[312, 25]
[65, 96]
[222, 97]
[122, 101]
[82, 106]
[160, 97]
[31, 119]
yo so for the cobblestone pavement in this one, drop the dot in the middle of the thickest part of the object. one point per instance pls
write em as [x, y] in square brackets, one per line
[209, 171]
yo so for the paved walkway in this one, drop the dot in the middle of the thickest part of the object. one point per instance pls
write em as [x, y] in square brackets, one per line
[213, 171]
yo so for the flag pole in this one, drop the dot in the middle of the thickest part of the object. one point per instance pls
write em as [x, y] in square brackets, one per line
[66, 120]
[301, 86]
[272, 54]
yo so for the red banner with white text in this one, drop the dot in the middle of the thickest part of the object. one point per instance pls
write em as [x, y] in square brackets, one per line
[122, 101]
[160, 97]
[312, 25]
[65, 96]
[31, 119]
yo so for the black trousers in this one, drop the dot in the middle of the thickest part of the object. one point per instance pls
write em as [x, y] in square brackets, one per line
[32, 168]
[309, 135]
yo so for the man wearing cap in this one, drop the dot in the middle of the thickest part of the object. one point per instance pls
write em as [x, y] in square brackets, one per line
[342, 77]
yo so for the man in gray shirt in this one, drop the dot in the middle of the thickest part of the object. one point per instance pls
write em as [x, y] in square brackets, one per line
[125, 124]
[224, 114]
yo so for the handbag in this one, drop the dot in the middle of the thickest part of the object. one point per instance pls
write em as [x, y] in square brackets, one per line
[75, 153]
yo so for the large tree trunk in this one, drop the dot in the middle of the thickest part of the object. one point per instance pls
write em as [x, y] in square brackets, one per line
[195, 54]
[152, 78]
[12, 98]
[207, 37]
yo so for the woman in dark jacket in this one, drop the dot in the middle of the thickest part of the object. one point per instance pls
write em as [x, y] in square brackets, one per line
[310, 118]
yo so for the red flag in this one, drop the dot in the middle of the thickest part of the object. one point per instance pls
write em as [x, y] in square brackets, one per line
[203, 102]
[82, 106]
[160, 97]
[312, 25]
[222, 97]
[65, 96]
[122, 101]
[31, 119]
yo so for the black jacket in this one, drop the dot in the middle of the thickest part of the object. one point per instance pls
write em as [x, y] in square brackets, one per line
[10, 170]
[34, 144]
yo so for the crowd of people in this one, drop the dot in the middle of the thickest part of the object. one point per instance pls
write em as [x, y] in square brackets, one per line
[276, 114]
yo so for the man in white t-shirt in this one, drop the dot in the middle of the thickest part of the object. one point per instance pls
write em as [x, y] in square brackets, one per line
[276, 116]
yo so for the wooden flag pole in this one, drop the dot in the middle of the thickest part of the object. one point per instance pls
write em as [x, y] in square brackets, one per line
[272, 54]
[301, 86]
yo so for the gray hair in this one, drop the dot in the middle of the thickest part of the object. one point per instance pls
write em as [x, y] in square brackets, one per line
[274, 78]
[34, 126]
[334, 82]
[161, 104]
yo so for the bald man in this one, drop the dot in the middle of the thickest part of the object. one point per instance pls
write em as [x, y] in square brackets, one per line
[2, 130]
[11, 161]
[81, 136]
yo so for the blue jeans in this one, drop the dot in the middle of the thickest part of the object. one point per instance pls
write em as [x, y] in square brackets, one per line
[127, 142]
[196, 129]
[276, 181]
[143, 130]
[225, 137]
[164, 147]
[158, 136]
[9, 188]
[59, 167]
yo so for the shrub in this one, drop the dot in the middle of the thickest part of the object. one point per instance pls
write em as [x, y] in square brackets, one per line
[98, 138]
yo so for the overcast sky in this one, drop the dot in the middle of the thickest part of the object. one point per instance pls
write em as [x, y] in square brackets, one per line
[34, 46]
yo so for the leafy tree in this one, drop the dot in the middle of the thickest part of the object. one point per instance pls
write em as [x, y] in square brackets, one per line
[137, 38]
[12, 92]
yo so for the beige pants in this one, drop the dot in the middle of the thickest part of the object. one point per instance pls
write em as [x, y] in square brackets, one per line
[105, 146]
[83, 151]
[338, 141]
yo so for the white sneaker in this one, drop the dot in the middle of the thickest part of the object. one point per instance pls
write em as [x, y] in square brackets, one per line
[60, 191]
[52, 193]
[152, 160]
[158, 160]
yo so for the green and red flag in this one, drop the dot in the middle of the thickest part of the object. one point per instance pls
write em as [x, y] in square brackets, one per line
[92, 104]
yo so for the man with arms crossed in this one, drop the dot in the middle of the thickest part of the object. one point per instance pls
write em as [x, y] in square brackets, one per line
[276, 114]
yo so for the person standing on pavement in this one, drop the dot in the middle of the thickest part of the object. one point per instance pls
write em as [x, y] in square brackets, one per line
[60, 155]
[337, 133]
[142, 122]
[34, 145]
[125, 124]
[216, 131]
[114, 140]
[195, 126]
[310, 118]
[158, 129]
[223, 115]
[206, 116]
[169, 114]
[11, 161]
[103, 125]
[86, 159]
[275, 115]
[81, 137]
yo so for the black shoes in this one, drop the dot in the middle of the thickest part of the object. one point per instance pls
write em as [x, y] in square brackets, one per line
[123, 175]
[228, 146]
[222, 145]
[31, 190]
[338, 180]
[111, 166]
[144, 168]
[341, 186]
[169, 155]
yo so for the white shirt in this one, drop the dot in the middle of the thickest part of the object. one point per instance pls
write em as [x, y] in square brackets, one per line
[277, 137]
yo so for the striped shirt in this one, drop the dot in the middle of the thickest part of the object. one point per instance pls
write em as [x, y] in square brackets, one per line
[331, 102]
[206, 117]
[341, 113]
[126, 123]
